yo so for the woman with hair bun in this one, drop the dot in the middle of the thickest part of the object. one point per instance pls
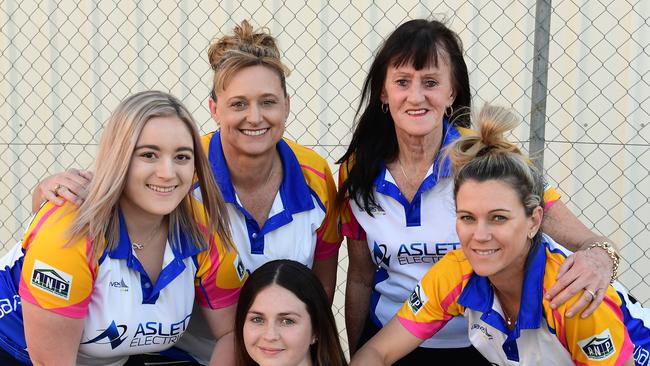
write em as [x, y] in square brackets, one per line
[505, 265]
[280, 196]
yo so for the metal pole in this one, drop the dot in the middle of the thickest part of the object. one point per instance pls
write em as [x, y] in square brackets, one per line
[540, 82]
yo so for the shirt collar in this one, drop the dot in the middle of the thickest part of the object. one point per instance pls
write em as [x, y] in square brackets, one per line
[294, 191]
[183, 248]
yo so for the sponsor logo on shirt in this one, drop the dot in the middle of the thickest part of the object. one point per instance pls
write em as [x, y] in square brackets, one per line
[483, 329]
[51, 280]
[641, 356]
[417, 299]
[120, 285]
[598, 347]
[415, 253]
[113, 335]
[9, 305]
[379, 254]
[240, 268]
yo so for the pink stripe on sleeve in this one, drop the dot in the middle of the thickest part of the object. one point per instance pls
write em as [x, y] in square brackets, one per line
[44, 218]
[318, 173]
[78, 310]
[423, 330]
[207, 292]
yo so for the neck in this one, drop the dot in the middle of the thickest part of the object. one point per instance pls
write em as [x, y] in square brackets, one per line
[251, 171]
[508, 290]
[418, 150]
[141, 227]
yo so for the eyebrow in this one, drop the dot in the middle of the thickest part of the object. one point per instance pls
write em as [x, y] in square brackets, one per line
[157, 148]
[280, 314]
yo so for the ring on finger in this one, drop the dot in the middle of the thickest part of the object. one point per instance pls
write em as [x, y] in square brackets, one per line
[593, 294]
[57, 187]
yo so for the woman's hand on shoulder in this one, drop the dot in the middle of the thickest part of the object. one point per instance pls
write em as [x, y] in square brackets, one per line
[71, 185]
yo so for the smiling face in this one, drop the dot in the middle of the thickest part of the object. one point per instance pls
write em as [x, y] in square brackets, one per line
[493, 228]
[417, 99]
[251, 111]
[161, 169]
[278, 329]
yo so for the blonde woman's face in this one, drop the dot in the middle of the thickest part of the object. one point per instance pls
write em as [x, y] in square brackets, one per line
[251, 111]
[161, 169]
[277, 330]
[493, 228]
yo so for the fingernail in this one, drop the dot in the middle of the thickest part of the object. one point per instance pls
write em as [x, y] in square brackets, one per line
[553, 306]
[569, 314]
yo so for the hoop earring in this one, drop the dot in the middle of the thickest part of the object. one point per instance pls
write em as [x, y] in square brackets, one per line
[449, 113]
[384, 108]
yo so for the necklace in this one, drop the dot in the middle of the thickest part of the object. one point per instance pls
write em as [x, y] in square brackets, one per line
[508, 318]
[399, 162]
[139, 246]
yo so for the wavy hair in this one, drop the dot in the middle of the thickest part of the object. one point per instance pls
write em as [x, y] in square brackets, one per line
[97, 217]
[244, 48]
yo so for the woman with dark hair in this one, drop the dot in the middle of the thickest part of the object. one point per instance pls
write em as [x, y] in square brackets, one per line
[497, 280]
[284, 318]
[396, 193]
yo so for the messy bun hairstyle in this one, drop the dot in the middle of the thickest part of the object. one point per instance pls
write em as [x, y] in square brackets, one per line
[488, 155]
[244, 48]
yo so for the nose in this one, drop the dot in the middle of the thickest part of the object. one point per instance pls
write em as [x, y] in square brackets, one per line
[254, 114]
[482, 232]
[165, 168]
[271, 332]
[416, 94]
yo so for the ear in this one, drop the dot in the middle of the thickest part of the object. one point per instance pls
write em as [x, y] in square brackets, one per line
[382, 97]
[287, 102]
[536, 220]
[212, 105]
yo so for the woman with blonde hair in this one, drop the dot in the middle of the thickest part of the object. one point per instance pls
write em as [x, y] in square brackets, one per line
[118, 275]
[498, 278]
[280, 195]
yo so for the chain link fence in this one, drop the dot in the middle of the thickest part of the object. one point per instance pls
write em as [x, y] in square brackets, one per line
[64, 65]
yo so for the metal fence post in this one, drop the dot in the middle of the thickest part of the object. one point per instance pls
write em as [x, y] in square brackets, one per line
[540, 82]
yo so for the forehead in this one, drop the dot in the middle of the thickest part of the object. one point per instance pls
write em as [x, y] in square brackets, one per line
[276, 299]
[257, 79]
[168, 129]
[490, 194]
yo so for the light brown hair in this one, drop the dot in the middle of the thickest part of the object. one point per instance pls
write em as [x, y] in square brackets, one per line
[97, 217]
[244, 48]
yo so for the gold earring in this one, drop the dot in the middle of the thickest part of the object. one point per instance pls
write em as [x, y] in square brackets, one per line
[449, 113]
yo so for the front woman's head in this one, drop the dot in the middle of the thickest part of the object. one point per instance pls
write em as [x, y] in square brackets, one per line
[499, 196]
[284, 318]
[418, 76]
[148, 155]
[249, 97]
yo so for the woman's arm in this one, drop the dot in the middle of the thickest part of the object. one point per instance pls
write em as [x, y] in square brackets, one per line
[325, 270]
[52, 339]
[586, 269]
[389, 345]
[71, 185]
[358, 288]
[221, 322]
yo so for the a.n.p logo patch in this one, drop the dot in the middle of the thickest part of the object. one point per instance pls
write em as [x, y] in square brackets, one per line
[417, 299]
[51, 280]
[598, 347]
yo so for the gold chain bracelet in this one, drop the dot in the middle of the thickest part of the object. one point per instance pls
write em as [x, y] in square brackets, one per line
[611, 252]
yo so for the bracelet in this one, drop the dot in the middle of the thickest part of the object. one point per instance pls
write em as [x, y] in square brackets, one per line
[609, 249]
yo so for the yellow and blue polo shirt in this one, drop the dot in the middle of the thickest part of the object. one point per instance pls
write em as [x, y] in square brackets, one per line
[124, 312]
[542, 336]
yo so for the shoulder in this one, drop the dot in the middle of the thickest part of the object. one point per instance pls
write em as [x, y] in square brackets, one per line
[314, 167]
[205, 141]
